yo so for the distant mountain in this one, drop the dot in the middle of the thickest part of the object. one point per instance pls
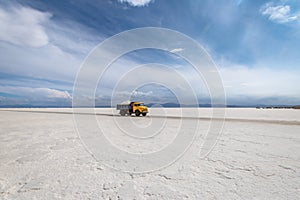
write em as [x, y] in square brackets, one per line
[165, 105]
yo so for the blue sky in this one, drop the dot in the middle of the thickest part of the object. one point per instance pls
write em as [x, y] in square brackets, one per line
[255, 45]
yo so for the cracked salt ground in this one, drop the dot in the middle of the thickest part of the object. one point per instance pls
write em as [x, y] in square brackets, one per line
[42, 158]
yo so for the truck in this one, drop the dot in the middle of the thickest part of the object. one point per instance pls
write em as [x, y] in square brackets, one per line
[135, 107]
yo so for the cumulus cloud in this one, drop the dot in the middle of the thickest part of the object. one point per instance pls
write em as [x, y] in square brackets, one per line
[136, 3]
[35, 93]
[52, 93]
[280, 14]
[62, 45]
[23, 26]
[176, 50]
[28, 96]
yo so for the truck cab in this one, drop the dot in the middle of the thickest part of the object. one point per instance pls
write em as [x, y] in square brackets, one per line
[138, 108]
[135, 107]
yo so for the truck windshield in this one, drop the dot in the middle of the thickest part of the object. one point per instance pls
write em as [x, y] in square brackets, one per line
[139, 104]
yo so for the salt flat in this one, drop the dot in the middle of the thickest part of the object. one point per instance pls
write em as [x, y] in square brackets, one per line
[256, 156]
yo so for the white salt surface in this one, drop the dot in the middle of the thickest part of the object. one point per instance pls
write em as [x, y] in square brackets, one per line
[42, 157]
[231, 113]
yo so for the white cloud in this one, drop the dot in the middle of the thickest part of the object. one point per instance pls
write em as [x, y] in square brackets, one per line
[260, 82]
[136, 3]
[36, 94]
[73, 37]
[23, 26]
[176, 50]
[280, 14]
[244, 84]
[140, 93]
[52, 93]
[62, 45]
[48, 62]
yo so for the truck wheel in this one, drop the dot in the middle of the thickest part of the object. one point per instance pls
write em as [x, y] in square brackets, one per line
[122, 113]
[144, 114]
[137, 113]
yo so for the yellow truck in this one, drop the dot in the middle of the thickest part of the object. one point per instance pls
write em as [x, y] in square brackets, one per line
[135, 107]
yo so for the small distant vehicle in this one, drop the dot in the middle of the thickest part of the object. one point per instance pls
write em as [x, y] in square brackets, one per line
[135, 107]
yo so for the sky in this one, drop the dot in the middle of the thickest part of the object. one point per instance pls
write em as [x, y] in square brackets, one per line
[255, 45]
